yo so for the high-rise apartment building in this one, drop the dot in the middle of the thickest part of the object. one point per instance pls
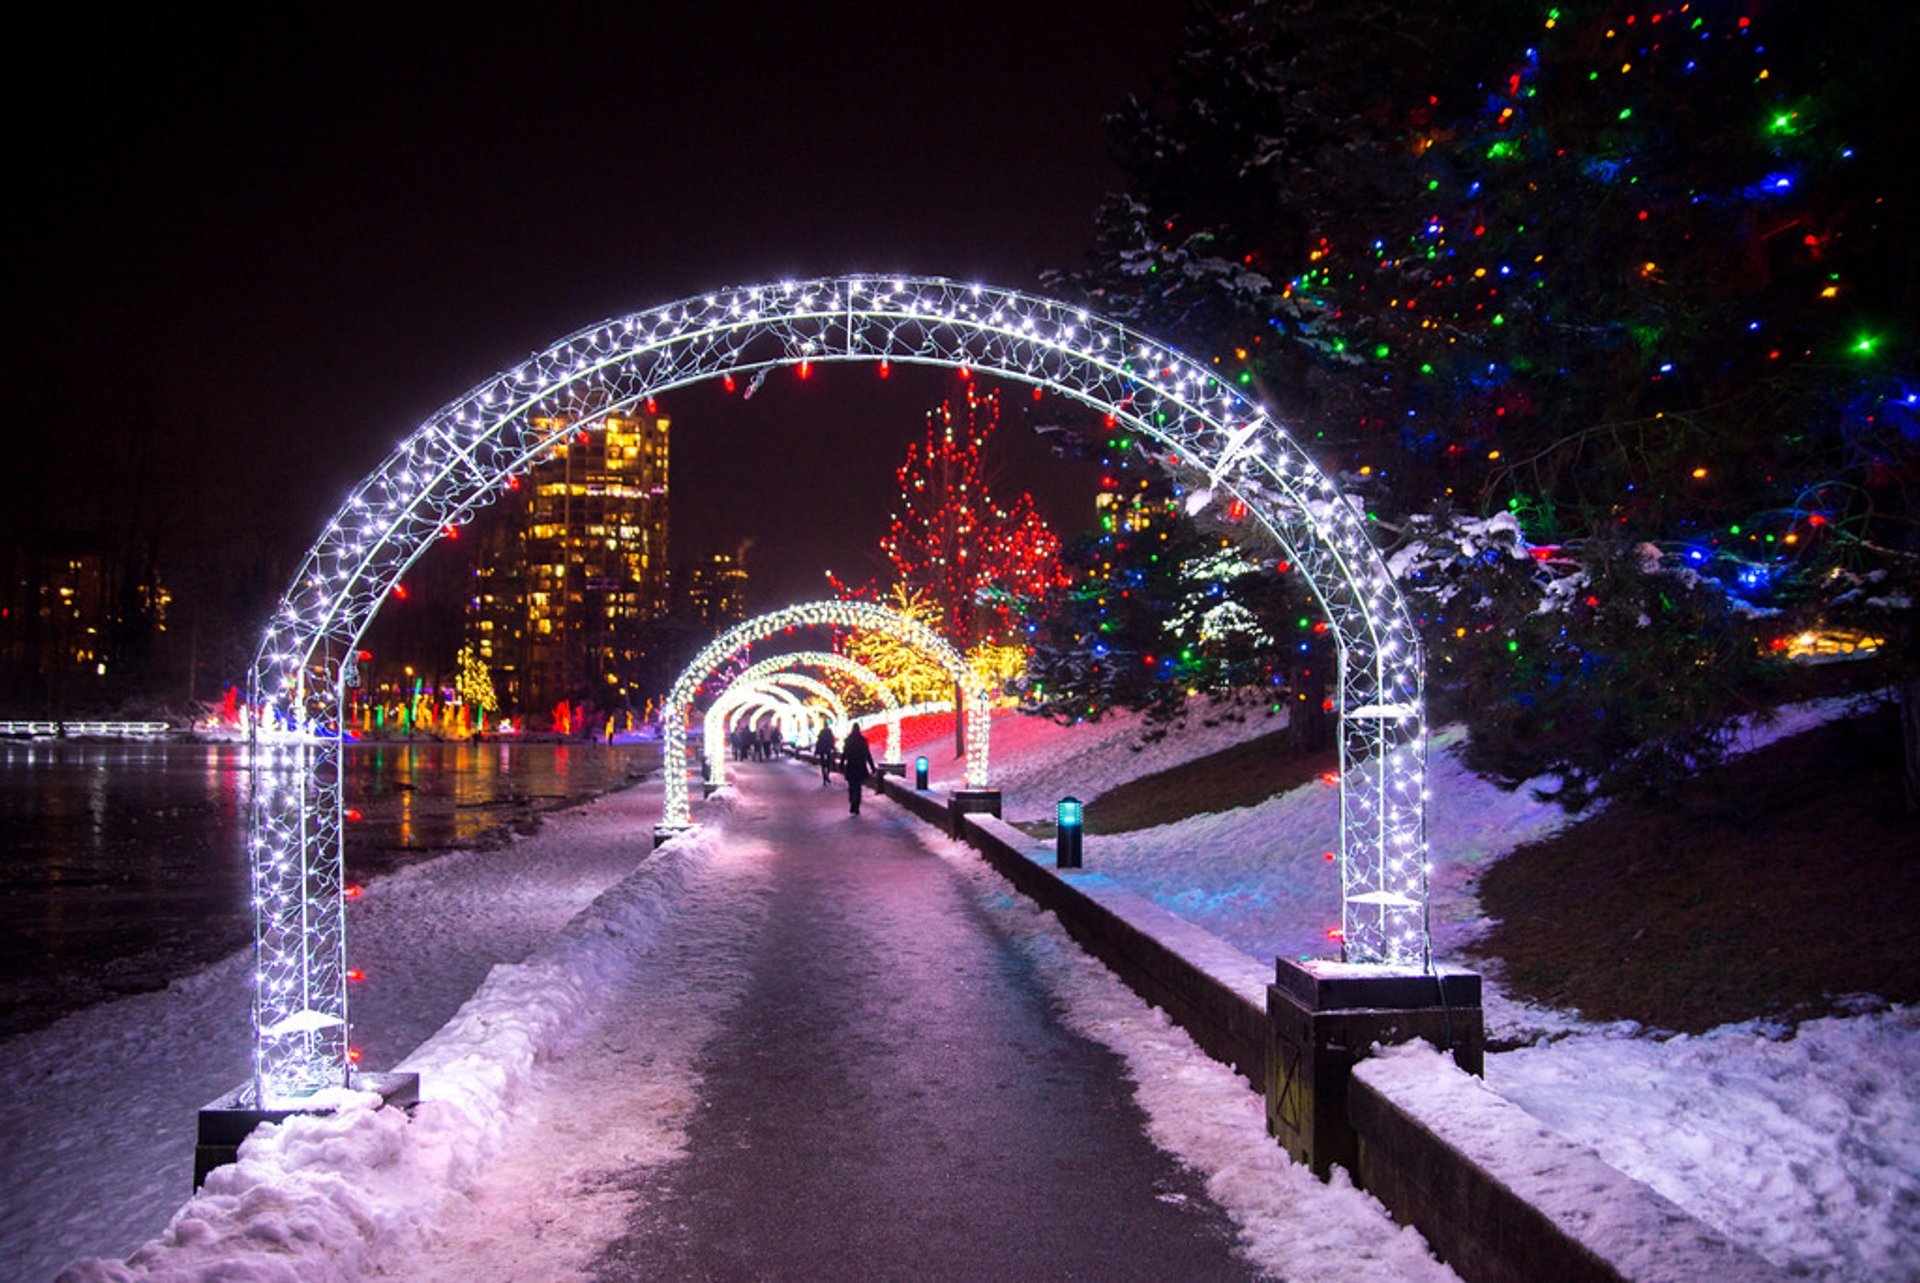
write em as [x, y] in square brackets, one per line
[713, 591]
[568, 582]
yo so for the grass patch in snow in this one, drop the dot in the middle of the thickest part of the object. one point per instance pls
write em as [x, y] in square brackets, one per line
[1774, 885]
[1244, 774]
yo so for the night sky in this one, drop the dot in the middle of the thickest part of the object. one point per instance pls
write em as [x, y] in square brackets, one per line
[258, 251]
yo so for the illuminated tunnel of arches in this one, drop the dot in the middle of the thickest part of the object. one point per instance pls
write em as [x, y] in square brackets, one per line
[462, 457]
[716, 718]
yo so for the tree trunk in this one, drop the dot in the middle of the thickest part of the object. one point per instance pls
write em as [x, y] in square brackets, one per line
[1309, 728]
[1910, 738]
[959, 723]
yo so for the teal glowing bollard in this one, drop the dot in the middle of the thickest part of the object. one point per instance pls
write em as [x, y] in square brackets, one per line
[920, 773]
[1066, 833]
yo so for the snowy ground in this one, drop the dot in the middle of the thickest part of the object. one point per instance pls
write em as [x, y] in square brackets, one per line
[1804, 1147]
[98, 1113]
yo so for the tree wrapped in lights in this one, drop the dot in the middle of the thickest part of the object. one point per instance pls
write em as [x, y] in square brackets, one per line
[474, 682]
[1159, 611]
[908, 670]
[978, 566]
[1630, 275]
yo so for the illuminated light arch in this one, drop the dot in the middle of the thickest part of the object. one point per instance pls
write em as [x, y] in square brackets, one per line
[791, 688]
[864, 616]
[763, 699]
[720, 719]
[826, 661]
[759, 707]
[462, 457]
[801, 721]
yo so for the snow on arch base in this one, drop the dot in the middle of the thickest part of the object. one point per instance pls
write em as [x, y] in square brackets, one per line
[467, 453]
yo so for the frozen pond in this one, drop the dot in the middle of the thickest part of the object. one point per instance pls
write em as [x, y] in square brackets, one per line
[122, 865]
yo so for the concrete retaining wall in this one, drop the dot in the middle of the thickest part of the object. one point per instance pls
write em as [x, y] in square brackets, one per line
[1503, 1198]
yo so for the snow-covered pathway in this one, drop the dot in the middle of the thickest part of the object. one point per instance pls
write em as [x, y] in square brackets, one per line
[895, 1097]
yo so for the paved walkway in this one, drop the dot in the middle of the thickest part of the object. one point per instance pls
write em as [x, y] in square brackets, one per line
[893, 1098]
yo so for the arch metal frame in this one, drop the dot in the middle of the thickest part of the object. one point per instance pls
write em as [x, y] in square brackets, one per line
[763, 699]
[464, 455]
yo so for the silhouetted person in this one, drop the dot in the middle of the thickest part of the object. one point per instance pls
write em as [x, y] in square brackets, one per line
[823, 749]
[856, 763]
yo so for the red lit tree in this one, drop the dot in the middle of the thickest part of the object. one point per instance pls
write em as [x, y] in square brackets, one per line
[979, 565]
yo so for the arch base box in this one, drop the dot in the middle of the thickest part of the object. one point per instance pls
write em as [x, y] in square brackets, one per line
[1325, 1017]
[971, 802]
[231, 1119]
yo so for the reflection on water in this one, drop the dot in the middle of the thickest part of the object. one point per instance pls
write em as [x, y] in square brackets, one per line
[123, 867]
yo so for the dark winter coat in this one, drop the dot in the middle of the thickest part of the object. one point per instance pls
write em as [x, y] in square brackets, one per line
[823, 746]
[856, 759]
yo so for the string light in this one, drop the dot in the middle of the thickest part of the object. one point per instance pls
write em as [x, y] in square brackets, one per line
[855, 615]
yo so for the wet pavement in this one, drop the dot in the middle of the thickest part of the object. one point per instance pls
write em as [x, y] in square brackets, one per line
[894, 1098]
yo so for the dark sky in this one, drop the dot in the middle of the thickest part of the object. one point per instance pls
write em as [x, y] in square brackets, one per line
[258, 250]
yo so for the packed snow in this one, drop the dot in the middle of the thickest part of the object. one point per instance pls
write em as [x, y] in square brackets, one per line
[1799, 1146]
[1202, 1112]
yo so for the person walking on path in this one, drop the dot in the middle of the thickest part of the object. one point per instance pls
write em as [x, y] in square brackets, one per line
[856, 763]
[823, 749]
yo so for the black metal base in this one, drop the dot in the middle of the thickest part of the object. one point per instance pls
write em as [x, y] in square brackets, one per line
[893, 768]
[226, 1122]
[1324, 1017]
[663, 834]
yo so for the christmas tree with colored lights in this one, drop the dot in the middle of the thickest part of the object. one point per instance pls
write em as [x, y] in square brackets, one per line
[1634, 280]
[1160, 610]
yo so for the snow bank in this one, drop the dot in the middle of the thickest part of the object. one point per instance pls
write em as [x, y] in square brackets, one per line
[1036, 762]
[103, 1173]
[329, 1196]
[1804, 1148]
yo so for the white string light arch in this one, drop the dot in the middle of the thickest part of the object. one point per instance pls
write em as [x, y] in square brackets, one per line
[462, 457]
[744, 694]
[754, 705]
[861, 616]
[826, 661]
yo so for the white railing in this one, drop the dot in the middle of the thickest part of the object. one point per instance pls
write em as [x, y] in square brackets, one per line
[84, 728]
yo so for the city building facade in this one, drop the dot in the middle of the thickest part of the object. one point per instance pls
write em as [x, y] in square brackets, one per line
[572, 576]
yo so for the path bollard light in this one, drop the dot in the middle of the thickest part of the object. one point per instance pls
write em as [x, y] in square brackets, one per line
[920, 773]
[1066, 833]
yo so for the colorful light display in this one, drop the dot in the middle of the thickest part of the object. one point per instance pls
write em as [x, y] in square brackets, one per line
[718, 718]
[861, 616]
[469, 452]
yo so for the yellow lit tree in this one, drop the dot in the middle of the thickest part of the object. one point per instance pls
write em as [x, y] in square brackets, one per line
[474, 682]
[913, 677]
